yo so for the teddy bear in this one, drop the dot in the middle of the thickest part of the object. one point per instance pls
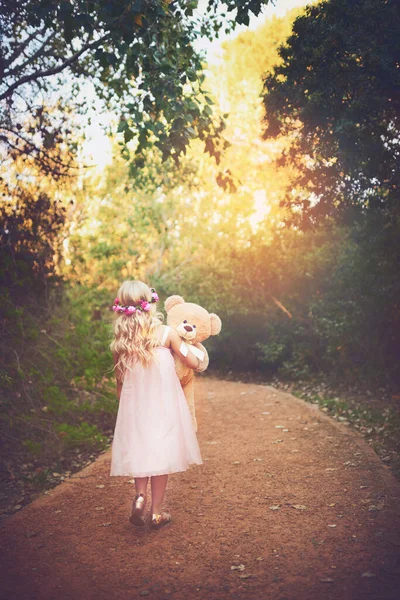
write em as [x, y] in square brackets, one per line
[194, 324]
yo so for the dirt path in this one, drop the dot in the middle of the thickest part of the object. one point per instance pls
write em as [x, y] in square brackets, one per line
[288, 505]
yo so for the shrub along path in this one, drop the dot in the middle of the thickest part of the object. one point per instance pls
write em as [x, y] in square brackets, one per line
[288, 505]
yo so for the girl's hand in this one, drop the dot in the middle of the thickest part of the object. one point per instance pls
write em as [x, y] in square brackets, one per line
[190, 360]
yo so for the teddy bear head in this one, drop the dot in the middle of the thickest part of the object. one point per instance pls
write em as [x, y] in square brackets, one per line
[191, 321]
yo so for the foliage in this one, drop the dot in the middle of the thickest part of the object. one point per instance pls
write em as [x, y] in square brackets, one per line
[166, 217]
[29, 240]
[139, 57]
[82, 433]
[235, 82]
[56, 381]
[376, 418]
[148, 210]
[304, 303]
[174, 228]
[336, 94]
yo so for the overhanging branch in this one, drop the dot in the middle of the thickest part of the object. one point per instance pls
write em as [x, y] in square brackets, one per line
[22, 46]
[31, 58]
[54, 70]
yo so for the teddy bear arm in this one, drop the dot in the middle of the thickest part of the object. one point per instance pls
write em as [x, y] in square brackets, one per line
[204, 363]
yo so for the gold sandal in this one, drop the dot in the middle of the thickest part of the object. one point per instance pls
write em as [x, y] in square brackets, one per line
[136, 517]
[158, 521]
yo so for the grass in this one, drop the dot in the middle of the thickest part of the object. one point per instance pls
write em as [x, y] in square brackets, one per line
[57, 396]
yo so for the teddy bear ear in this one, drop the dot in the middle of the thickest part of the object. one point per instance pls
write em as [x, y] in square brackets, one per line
[173, 301]
[215, 324]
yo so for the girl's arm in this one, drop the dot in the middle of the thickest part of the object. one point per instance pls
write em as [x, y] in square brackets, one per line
[175, 343]
[119, 383]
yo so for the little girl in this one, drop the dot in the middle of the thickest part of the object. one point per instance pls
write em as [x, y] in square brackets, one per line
[154, 435]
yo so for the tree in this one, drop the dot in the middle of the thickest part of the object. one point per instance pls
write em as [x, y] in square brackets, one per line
[139, 56]
[160, 220]
[236, 84]
[337, 94]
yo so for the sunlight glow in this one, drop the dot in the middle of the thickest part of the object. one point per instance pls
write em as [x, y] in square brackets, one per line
[261, 208]
[213, 48]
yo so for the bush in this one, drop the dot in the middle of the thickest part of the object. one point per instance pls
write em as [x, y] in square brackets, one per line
[83, 435]
[305, 303]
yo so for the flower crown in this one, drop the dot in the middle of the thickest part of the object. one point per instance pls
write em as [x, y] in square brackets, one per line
[142, 306]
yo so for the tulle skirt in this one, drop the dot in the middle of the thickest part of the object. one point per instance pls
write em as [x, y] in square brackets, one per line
[154, 433]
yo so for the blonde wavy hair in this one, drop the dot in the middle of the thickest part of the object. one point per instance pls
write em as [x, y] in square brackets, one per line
[134, 335]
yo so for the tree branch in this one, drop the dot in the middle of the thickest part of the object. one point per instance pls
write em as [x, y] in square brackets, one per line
[44, 161]
[30, 59]
[23, 45]
[54, 70]
[280, 305]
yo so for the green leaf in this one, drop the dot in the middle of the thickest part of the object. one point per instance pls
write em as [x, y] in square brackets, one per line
[122, 126]
[128, 135]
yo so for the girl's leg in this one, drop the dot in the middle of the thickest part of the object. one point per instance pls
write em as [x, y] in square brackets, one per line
[158, 486]
[141, 485]
[138, 504]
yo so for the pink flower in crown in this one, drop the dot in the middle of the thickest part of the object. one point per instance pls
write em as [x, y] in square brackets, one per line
[115, 308]
[130, 310]
[120, 309]
[154, 296]
[116, 301]
[145, 305]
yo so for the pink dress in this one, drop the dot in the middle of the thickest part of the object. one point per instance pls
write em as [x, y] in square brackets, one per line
[153, 433]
